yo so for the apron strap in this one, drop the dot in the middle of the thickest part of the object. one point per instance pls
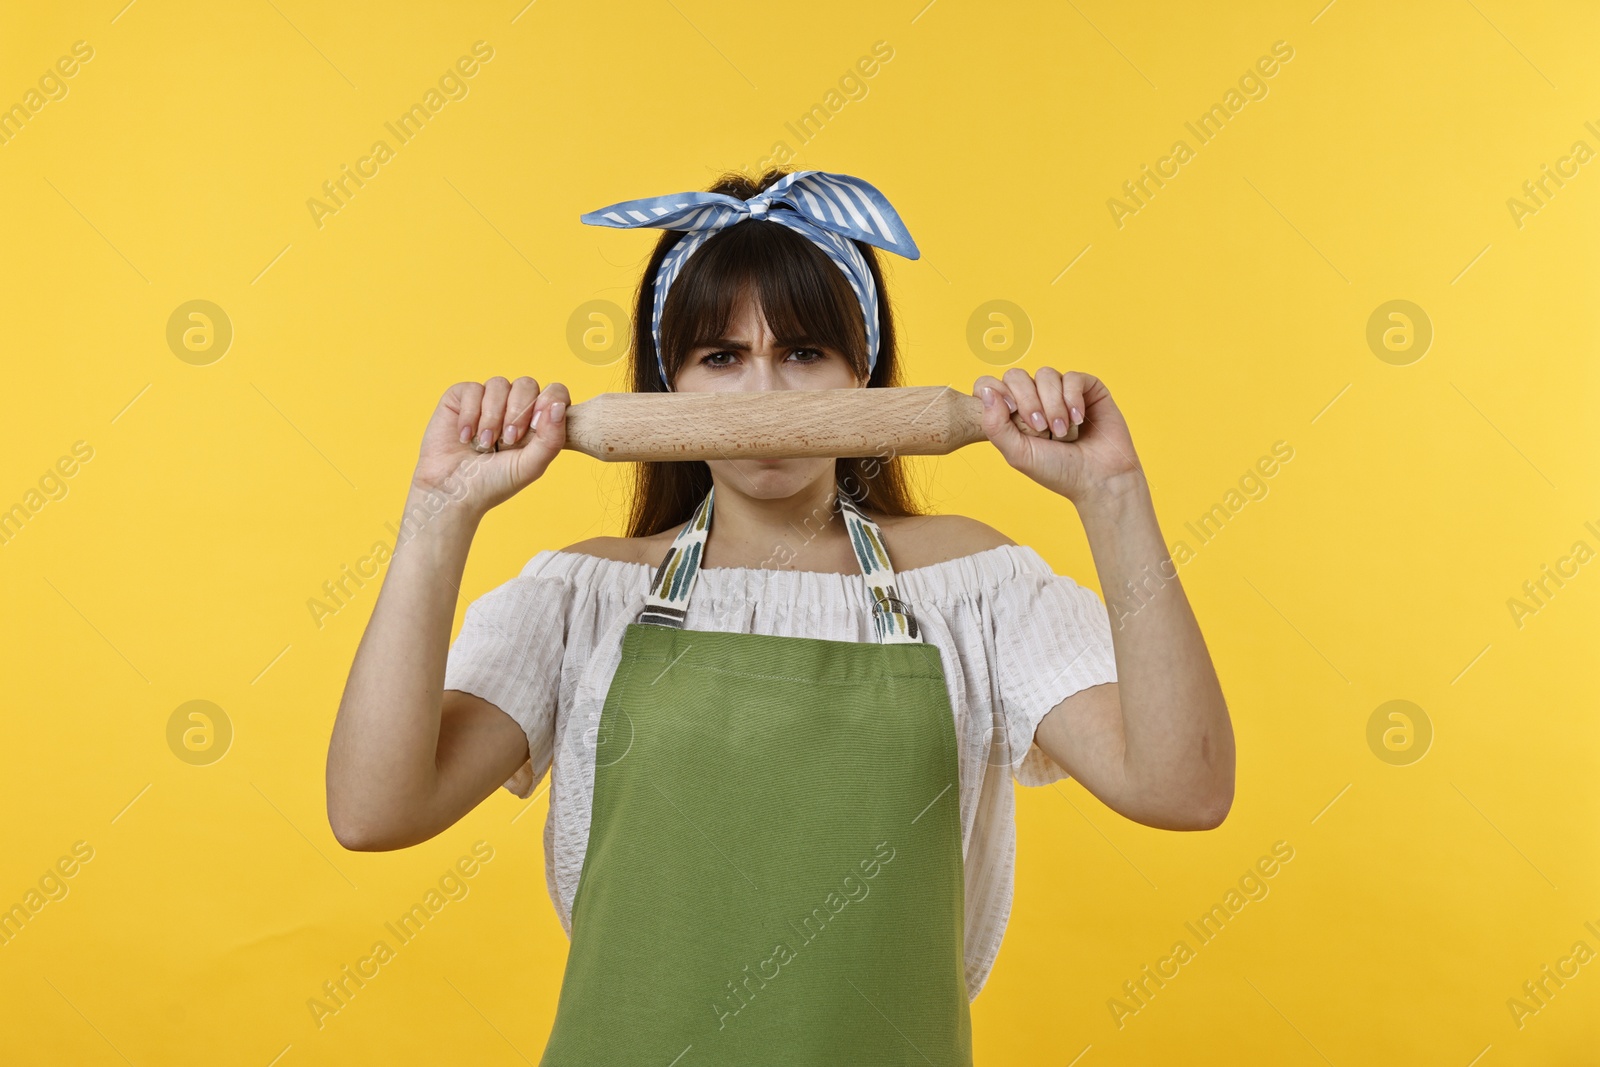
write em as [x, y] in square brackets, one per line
[668, 600]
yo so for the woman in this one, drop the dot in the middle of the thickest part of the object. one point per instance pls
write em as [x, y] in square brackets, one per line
[780, 744]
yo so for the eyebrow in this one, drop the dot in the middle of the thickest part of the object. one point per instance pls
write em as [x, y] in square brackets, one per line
[744, 346]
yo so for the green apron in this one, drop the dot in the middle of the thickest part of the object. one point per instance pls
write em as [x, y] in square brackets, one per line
[774, 870]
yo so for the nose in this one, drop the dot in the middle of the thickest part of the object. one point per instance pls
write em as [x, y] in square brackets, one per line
[765, 374]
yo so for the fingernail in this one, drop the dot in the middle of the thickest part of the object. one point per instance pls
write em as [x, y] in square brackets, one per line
[558, 411]
[1060, 426]
[466, 434]
[485, 438]
[1038, 420]
[1012, 404]
[988, 397]
[1077, 416]
[535, 424]
[511, 435]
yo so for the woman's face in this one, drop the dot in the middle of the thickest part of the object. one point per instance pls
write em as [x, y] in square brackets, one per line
[750, 358]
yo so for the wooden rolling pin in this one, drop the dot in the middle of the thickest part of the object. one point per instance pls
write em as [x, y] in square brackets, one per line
[923, 420]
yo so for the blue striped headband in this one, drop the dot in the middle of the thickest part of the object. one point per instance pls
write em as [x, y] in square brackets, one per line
[833, 211]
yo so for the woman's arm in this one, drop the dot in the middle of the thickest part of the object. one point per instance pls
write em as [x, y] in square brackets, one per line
[1157, 745]
[406, 760]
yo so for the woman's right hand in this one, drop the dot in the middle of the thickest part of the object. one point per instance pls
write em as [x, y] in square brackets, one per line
[529, 423]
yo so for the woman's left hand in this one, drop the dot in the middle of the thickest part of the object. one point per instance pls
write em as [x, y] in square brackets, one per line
[1099, 464]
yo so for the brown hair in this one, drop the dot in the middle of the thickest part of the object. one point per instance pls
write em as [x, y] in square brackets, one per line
[802, 294]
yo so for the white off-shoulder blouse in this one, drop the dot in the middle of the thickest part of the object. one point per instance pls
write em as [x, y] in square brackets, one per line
[1015, 639]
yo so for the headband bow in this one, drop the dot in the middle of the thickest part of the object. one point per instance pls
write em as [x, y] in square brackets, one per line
[831, 210]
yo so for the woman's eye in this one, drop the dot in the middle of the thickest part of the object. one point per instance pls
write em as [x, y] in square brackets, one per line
[806, 355]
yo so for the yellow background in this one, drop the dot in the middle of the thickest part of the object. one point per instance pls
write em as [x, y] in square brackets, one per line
[1227, 314]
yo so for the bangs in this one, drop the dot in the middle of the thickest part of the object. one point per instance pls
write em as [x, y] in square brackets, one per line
[804, 297]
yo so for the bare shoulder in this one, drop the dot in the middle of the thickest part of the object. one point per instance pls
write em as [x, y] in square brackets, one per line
[913, 541]
[924, 540]
[623, 549]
